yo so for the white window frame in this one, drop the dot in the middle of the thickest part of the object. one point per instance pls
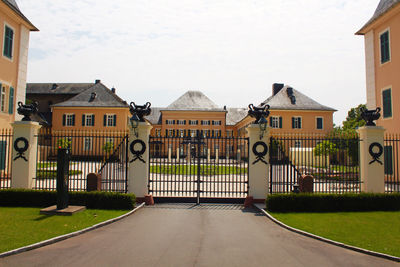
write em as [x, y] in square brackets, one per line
[4, 41]
[87, 144]
[193, 133]
[380, 48]
[3, 98]
[86, 119]
[68, 119]
[181, 122]
[110, 118]
[217, 122]
[205, 122]
[316, 122]
[297, 122]
[170, 132]
[158, 132]
[274, 122]
[193, 122]
[181, 133]
[169, 122]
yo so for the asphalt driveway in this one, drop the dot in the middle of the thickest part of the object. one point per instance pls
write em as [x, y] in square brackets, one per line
[187, 235]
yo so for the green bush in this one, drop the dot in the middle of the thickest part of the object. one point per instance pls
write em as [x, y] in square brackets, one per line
[92, 200]
[332, 202]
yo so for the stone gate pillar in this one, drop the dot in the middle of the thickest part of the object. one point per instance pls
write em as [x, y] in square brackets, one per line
[372, 170]
[258, 163]
[24, 153]
[139, 160]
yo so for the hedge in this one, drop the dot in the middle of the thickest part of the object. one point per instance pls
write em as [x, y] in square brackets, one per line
[332, 202]
[92, 200]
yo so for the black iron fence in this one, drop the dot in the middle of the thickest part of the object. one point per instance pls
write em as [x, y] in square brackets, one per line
[391, 163]
[197, 167]
[333, 161]
[6, 137]
[91, 152]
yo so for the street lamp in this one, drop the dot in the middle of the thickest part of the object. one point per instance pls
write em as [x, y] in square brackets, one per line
[134, 120]
[263, 124]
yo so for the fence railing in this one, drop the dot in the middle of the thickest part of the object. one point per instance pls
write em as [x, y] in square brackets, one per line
[333, 161]
[6, 137]
[391, 163]
[90, 151]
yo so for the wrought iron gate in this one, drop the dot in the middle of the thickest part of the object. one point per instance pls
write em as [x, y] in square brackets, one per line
[198, 169]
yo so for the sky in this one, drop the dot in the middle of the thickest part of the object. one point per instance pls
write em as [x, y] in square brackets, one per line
[231, 50]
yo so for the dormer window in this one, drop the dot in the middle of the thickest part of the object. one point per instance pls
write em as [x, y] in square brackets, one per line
[92, 97]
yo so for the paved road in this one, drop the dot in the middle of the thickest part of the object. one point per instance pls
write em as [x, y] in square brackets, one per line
[186, 235]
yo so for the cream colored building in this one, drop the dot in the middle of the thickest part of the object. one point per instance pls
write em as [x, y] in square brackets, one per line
[382, 58]
[14, 30]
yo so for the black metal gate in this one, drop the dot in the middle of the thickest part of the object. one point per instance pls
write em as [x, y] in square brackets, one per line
[198, 169]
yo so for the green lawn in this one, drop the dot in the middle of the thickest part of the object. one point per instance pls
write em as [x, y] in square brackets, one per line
[24, 226]
[376, 231]
[192, 169]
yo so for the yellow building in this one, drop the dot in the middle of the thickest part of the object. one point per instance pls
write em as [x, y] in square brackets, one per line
[382, 57]
[14, 30]
[194, 113]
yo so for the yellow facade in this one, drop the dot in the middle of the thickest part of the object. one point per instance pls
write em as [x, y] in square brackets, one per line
[13, 65]
[384, 76]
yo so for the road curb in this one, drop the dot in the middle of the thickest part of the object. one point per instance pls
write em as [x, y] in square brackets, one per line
[66, 236]
[339, 244]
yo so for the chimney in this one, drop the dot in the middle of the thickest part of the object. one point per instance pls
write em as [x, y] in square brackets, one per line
[97, 81]
[113, 90]
[276, 87]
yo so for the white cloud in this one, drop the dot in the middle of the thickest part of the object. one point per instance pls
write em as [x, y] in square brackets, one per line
[232, 50]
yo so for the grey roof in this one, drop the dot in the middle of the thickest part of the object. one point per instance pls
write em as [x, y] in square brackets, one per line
[62, 88]
[155, 116]
[282, 101]
[383, 7]
[104, 97]
[193, 100]
[13, 5]
[235, 115]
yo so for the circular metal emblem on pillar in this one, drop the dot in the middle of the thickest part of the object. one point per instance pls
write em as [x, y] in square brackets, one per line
[21, 145]
[376, 154]
[260, 153]
[137, 153]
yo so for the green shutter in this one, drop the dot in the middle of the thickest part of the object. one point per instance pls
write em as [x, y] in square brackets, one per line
[320, 124]
[115, 120]
[385, 47]
[64, 119]
[8, 42]
[105, 120]
[292, 123]
[3, 153]
[83, 120]
[11, 101]
[387, 103]
[166, 133]
[270, 122]
[93, 122]
[73, 120]
[280, 122]
[388, 157]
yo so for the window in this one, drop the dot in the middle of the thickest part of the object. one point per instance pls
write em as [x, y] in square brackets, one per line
[204, 122]
[88, 144]
[193, 122]
[170, 133]
[3, 99]
[8, 42]
[158, 132]
[216, 133]
[87, 120]
[275, 122]
[216, 122]
[206, 133]
[297, 144]
[181, 133]
[110, 120]
[170, 122]
[193, 133]
[229, 133]
[296, 122]
[181, 122]
[388, 157]
[387, 103]
[385, 47]
[69, 120]
[320, 123]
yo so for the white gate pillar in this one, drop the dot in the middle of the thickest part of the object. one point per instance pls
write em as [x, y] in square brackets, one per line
[24, 159]
[139, 160]
[372, 170]
[258, 163]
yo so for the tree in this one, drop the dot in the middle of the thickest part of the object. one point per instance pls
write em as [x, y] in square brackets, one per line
[354, 120]
[325, 148]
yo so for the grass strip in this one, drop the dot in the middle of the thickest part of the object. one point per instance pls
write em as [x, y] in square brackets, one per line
[376, 231]
[20, 227]
[192, 170]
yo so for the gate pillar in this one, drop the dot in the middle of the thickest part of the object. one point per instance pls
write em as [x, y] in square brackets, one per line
[139, 161]
[258, 163]
[24, 153]
[372, 170]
